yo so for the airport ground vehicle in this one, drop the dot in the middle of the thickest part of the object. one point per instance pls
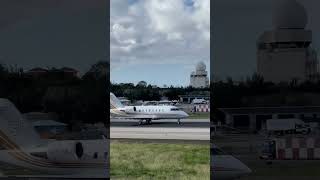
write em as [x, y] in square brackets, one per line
[287, 126]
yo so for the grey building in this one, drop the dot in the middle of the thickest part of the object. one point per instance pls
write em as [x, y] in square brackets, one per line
[189, 98]
[254, 118]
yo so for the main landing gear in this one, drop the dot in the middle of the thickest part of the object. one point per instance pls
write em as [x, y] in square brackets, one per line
[179, 122]
[148, 121]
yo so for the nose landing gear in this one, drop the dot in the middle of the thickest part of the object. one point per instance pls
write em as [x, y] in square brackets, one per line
[179, 122]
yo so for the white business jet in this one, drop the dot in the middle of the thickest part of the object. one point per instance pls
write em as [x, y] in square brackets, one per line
[147, 113]
[22, 148]
[225, 166]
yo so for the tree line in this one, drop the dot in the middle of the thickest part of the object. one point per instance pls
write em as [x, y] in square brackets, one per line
[74, 99]
[148, 92]
[234, 94]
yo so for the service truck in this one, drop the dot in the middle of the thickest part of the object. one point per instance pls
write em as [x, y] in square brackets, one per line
[287, 126]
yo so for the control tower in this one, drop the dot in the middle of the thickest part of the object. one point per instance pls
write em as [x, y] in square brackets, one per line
[199, 78]
[285, 53]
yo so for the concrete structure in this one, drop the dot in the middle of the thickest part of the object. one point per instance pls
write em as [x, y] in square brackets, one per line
[36, 72]
[285, 53]
[189, 98]
[70, 71]
[199, 78]
[202, 108]
[125, 101]
[298, 148]
[254, 118]
[48, 129]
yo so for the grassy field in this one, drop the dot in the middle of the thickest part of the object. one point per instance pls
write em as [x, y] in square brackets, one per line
[198, 115]
[159, 161]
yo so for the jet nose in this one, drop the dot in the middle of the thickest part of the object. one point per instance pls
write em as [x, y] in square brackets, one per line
[245, 170]
[185, 114]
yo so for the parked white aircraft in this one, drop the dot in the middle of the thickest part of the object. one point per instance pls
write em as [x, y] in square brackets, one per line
[21, 148]
[225, 166]
[147, 113]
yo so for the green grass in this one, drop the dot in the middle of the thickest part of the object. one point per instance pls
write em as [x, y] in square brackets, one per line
[159, 161]
[199, 115]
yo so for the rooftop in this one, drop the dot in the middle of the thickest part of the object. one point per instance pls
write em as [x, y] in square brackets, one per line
[280, 109]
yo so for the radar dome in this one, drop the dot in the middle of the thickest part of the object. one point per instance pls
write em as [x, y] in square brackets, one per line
[200, 66]
[289, 14]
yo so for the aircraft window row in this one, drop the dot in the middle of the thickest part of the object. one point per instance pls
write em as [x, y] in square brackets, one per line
[151, 110]
[174, 109]
[95, 155]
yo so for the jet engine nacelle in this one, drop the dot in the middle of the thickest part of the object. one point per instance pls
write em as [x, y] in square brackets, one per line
[65, 151]
[130, 109]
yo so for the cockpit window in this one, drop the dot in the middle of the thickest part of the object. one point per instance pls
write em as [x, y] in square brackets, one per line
[174, 109]
[216, 151]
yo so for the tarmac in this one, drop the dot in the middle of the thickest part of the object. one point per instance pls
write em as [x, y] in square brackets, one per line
[189, 129]
[246, 147]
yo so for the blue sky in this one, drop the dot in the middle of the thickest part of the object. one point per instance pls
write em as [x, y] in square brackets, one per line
[158, 41]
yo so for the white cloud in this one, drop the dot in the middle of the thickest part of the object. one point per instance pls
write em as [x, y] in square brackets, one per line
[159, 31]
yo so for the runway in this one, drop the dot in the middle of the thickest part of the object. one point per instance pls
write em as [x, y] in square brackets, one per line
[168, 123]
[190, 129]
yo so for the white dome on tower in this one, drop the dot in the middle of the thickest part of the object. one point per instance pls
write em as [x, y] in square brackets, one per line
[200, 66]
[199, 78]
[289, 14]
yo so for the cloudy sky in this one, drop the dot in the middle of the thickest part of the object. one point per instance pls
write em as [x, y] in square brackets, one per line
[236, 26]
[159, 41]
[53, 32]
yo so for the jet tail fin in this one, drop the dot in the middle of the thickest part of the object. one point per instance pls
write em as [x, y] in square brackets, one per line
[115, 102]
[14, 128]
